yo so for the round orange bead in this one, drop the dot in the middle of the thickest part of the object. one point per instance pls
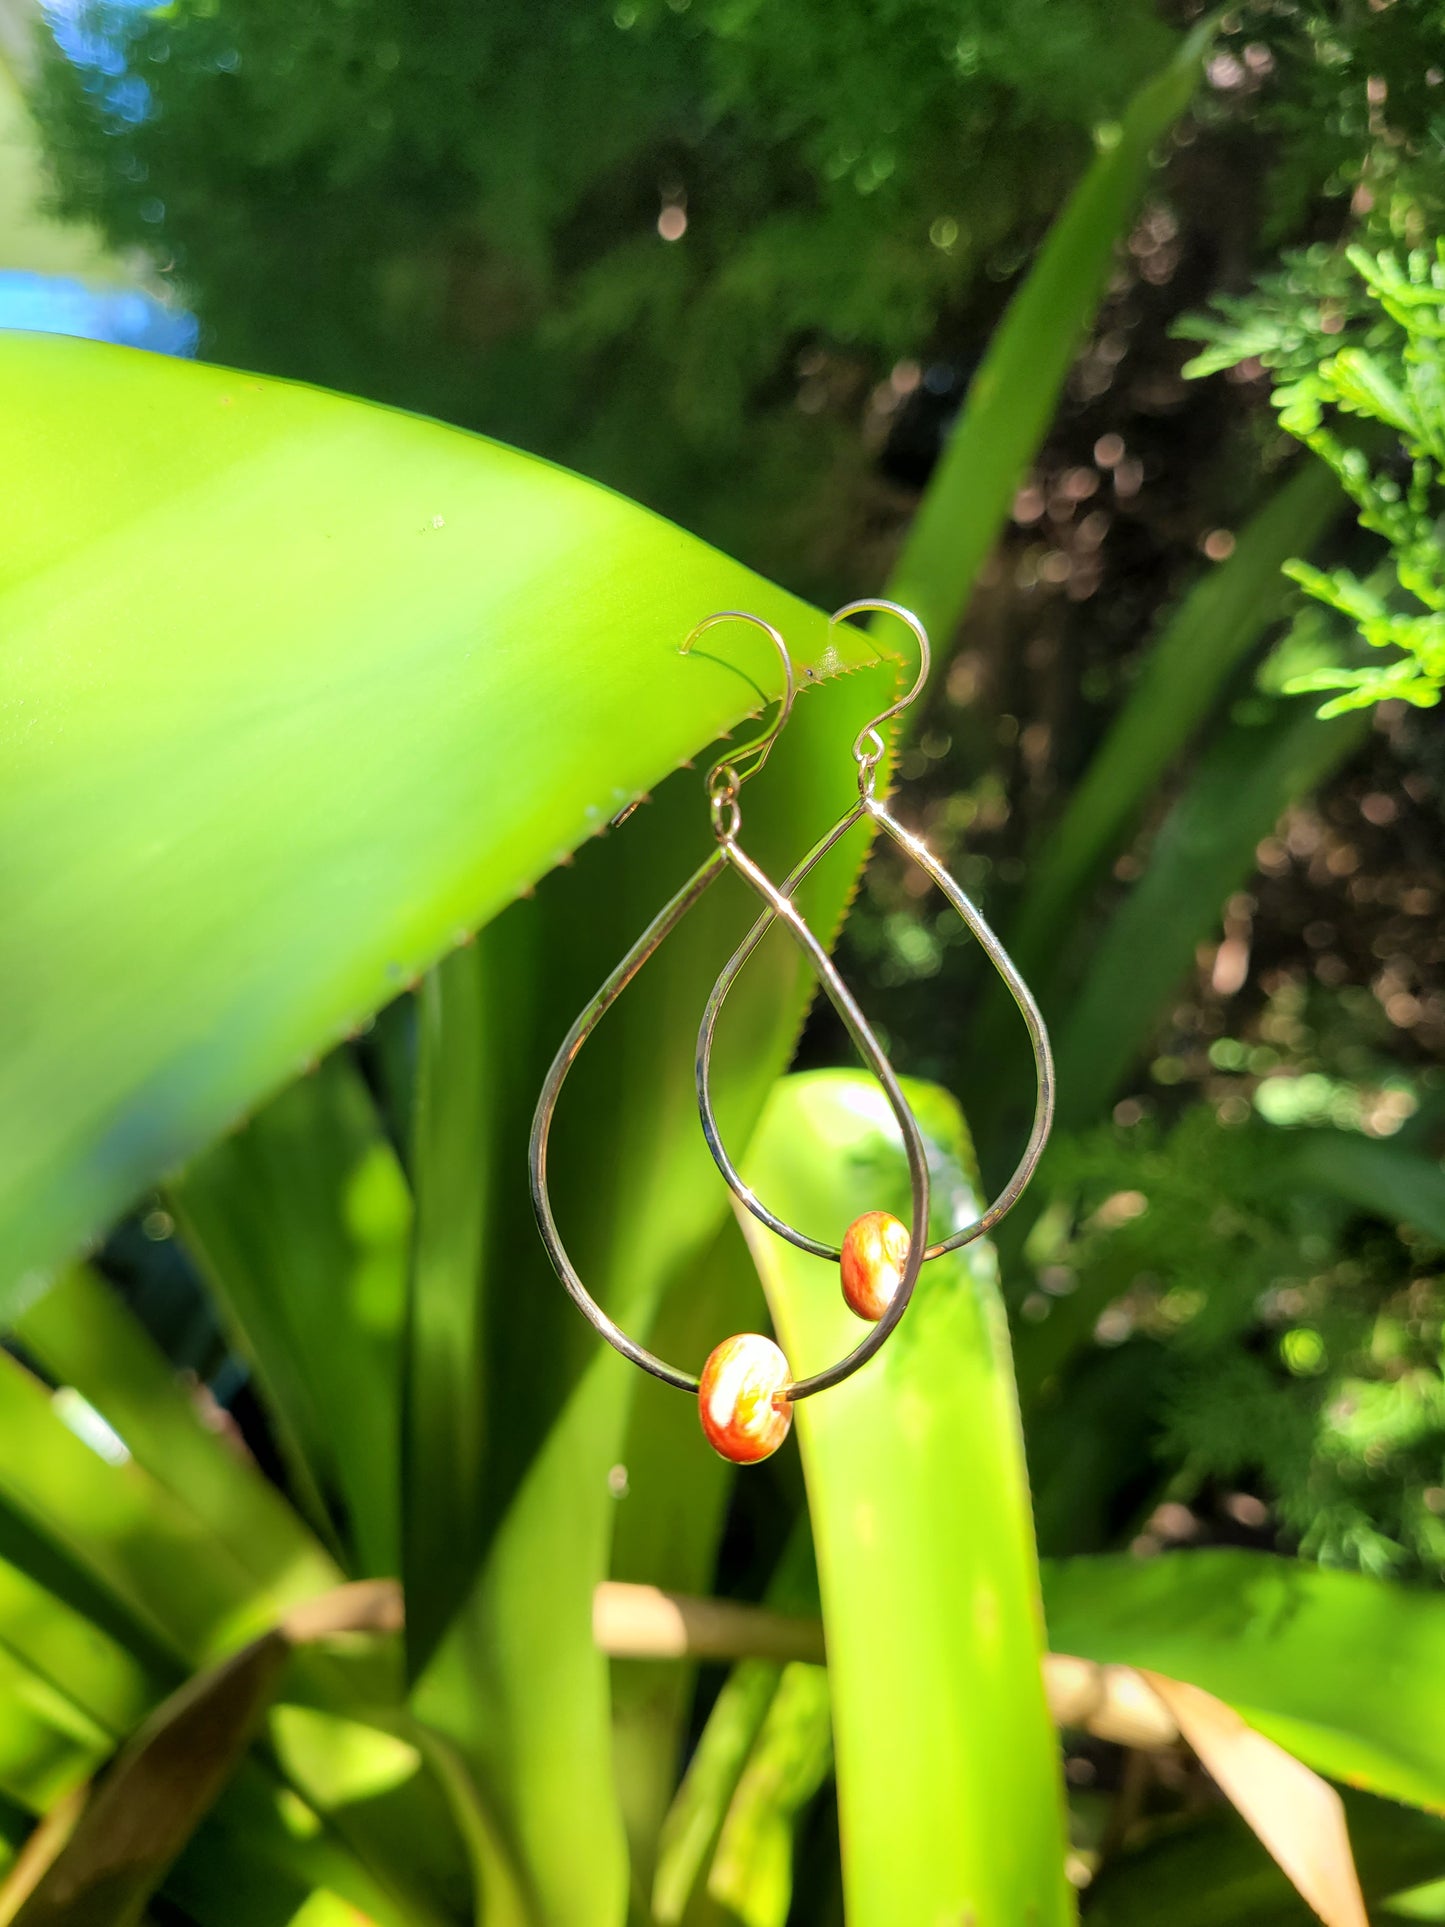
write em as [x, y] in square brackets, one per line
[742, 1398]
[875, 1250]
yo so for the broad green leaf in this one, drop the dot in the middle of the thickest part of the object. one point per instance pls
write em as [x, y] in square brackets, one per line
[113, 1685]
[86, 1339]
[341, 1734]
[1012, 398]
[695, 1821]
[464, 1019]
[71, 1694]
[166, 1571]
[56, 1734]
[517, 1683]
[1423, 1902]
[48, 1744]
[948, 1775]
[301, 1222]
[1344, 1671]
[297, 691]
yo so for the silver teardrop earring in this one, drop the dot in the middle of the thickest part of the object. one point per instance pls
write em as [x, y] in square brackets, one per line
[745, 1391]
[876, 1248]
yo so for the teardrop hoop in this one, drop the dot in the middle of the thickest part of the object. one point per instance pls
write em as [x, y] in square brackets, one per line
[724, 782]
[868, 750]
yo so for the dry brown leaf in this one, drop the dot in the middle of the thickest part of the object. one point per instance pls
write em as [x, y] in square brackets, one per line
[100, 1868]
[154, 1795]
[1298, 1816]
[363, 1606]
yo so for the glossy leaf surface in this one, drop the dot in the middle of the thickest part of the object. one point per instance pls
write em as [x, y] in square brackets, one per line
[301, 1223]
[297, 690]
[1344, 1671]
[948, 1772]
[516, 1682]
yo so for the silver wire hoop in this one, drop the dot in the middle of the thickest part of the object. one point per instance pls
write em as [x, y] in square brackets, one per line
[973, 919]
[723, 783]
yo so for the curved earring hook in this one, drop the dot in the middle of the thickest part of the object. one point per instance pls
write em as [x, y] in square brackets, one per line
[868, 744]
[761, 748]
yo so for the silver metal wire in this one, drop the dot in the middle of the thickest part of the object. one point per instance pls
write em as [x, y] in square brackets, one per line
[869, 746]
[780, 905]
[724, 781]
[974, 918]
[666, 919]
[868, 806]
[733, 770]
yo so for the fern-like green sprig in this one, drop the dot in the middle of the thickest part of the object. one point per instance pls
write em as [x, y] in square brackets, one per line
[1361, 335]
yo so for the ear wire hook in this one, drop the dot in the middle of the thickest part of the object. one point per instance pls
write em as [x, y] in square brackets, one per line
[726, 777]
[868, 745]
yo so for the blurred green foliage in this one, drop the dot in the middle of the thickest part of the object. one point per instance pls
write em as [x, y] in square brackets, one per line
[681, 244]
[460, 213]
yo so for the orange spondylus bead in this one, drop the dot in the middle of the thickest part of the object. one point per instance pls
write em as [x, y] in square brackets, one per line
[875, 1250]
[742, 1400]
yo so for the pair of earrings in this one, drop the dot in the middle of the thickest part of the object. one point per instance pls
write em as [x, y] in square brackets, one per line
[746, 1392]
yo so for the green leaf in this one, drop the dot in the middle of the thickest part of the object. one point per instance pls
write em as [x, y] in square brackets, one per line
[464, 1025]
[751, 1876]
[302, 1223]
[174, 1582]
[289, 1837]
[263, 1835]
[299, 690]
[49, 1745]
[948, 1774]
[1012, 398]
[84, 1337]
[1361, 384]
[1344, 1671]
[76, 1655]
[696, 1818]
[516, 1683]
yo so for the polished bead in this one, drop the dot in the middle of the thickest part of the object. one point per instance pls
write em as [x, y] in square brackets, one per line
[742, 1398]
[875, 1250]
